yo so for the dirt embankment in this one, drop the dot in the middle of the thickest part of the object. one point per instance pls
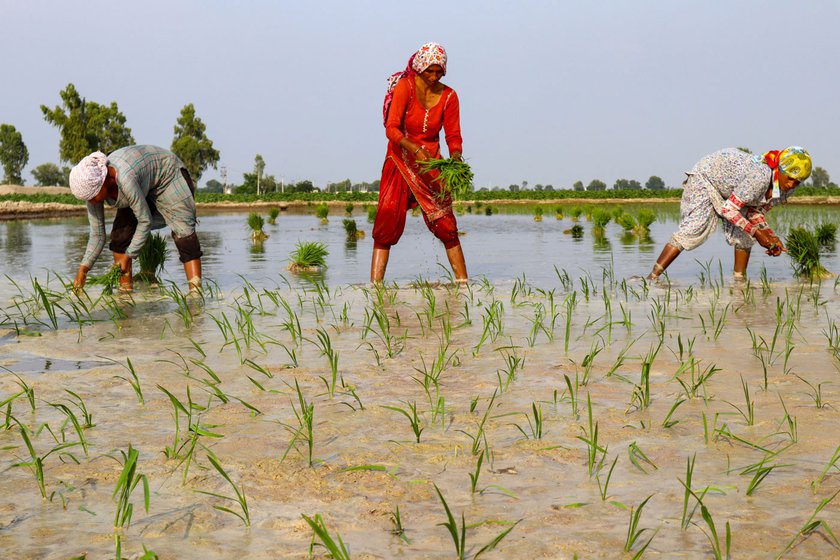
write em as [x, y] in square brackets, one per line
[23, 209]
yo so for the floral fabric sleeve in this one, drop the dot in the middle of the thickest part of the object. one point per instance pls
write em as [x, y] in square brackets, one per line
[732, 211]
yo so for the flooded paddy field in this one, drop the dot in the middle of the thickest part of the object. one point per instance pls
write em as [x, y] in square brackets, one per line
[551, 402]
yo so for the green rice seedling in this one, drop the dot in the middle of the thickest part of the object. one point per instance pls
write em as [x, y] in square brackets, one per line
[371, 214]
[637, 457]
[590, 438]
[273, 213]
[804, 251]
[569, 304]
[832, 464]
[152, 258]
[626, 221]
[634, 534]
[74, 421]
[36, 462]
[687, 514]
[256, 223]
[134, 381]
[25, 389]
[603, 489]
[459, 533]
[573, 394]
[538, 214]
[240, 499]
[667, 422]
[826, 233]
[616, 211]
[600, 219]
[334, 546]
[513, 363]
[412, 416]
[645, 217]
[492, 320]
[576, 231]
[348, 209]
[535, 427]
[588, 210]
[456, 177]
[760, 473]
[488, 210]
[788, 424]
[308, 256]
[304, 415]
[322, 211]
[719, 551]
[474, 475]
[558, 213]
[480, 437]
[815, 392]
[126, 483]
[398, 529]
[748, 412]
[351, 230]
[812, 524]
[108, 281]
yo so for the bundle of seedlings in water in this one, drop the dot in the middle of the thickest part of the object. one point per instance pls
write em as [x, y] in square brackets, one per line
[558, 212]
[488, 210]
[256, 223]
[575, 231]
[152, 258]
[600, 219]
[348, 209]
[575, 212]
[108, 281]
[826, 234]
[804, 252]
[588, 210]
[308, 256]
[353, 233]
[616, 211]
[455, 177]
[627, 222]
[371, 214]
[272, 215]
[538, 214]
[645, 217]
[322, 211]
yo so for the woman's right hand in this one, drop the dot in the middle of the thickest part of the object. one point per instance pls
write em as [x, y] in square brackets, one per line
[422, 155]
[770, 241]
[81, 278]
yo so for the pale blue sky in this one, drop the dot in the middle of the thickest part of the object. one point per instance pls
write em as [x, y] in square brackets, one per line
[551, 91]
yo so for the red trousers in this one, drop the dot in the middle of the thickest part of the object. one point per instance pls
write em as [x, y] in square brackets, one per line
[395, 199]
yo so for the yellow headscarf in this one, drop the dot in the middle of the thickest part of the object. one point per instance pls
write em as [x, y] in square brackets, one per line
[793, 161]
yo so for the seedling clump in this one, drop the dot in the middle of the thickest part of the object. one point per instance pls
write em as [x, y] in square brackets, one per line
[352, 231]
[322, 211]
[152, 258]
[256, 223]
[455, 177]
[308, 256]
[804, 251]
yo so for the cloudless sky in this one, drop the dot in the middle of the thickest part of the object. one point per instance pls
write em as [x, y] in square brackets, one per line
[551, 91]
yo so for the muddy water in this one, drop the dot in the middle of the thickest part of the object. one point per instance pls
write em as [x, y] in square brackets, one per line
[543, 483]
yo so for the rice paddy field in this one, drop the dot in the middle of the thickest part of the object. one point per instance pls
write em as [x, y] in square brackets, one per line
[554, 407]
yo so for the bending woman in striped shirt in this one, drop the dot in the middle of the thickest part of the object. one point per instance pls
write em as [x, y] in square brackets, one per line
[150, 188]
[739, 188]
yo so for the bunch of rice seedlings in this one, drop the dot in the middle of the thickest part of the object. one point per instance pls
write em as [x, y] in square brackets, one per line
[272, 215]
[575, 231]
[108, 281]
[538, 214]
[588, 210]
[308, 256]
[455, 177]
[804, 251]
[645, 217]
[353, 233]
[371, 214]
[826, 233]
[616, 211]
[600, 219]
[575, 212]
[322, 211]
[348, 209]
[558, 212]
[256, 223]
[488, 210]
[152, 258]
[626, 221]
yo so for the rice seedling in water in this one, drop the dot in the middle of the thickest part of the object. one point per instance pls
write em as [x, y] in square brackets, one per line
[412, 416]
[459, 533]
[308, 256]
[600, 219]
[719, 551]
[616, 211]
[538, 214]
[826, 233]
[36, 462]
[488, 210]
[575, 212]
[804, 252]
[152, 258]
[322, 211]
[590, 438]
[272, 215]
[558, 212]
[634, 533]
[644, 219]
[352, 231]
[398, 529]
[108, 281]
[244, 513]
[256, 223]
[348, 209]
[456, 177]
[576, 231]
[812, 525]
[335, 550]
[127, 482]
[371, 214]
[305, 415]
[626, 221]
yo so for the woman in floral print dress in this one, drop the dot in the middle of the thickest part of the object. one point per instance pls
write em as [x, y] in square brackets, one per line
[417, 107]
[739, 188]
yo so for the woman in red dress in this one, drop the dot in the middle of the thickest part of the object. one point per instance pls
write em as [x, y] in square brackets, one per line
[417, 107]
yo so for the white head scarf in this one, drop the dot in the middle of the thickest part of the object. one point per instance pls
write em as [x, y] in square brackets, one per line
[88, 176]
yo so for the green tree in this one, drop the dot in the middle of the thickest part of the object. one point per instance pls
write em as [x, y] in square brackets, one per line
[259, 167]
[596, 185]
[13, 154]
[86, 126]
[655, 183]
[213, 186]
[49, 175]
[627, 184]
[192, 145]
[578, 186]
[820, 178]
[513, 188]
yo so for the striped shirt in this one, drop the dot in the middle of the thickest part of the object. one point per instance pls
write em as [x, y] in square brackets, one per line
[143, 172]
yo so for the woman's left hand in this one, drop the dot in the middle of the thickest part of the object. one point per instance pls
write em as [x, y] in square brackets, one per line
[422, 155]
